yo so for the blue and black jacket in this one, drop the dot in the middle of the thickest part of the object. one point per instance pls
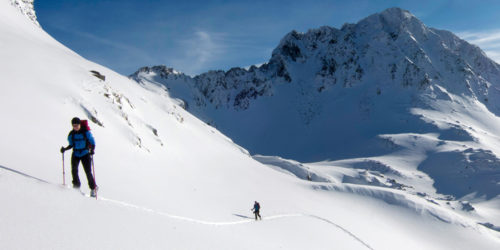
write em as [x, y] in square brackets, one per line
[256, 207]
[81, 141]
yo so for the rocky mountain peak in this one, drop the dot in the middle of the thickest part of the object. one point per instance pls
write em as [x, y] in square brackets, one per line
[27, 8]
[392, 49]
[393, 17]
[159, 69]
[325, 80]
[159, 73]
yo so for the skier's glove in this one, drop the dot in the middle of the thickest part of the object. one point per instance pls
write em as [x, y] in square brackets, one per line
[92, 150]
[66, 148]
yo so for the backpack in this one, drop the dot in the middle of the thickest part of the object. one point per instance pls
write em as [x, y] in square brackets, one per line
[85, 125]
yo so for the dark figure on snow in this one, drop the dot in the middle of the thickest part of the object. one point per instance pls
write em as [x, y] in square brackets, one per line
[256, 210]
[83, 144]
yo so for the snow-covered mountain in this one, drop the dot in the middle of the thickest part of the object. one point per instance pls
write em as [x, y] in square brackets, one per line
[363, 93]
[170, 181]
[318, 86]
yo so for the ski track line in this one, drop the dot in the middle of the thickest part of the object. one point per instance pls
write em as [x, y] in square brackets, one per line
[273, 217]
[149, 210]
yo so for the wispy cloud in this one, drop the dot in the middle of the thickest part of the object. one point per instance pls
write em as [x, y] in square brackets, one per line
[198, 50]
[203, 50]
[488, 40]
[125, 49]
[203, 47]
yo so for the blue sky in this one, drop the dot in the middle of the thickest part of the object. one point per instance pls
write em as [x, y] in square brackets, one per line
[197, 36]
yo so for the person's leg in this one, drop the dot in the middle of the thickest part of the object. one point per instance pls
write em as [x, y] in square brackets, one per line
[87, 166]
[75, 161]
[255, 215]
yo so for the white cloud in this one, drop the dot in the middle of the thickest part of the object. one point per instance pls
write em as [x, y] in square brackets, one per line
[488, 40]
[202, 47]
[204, 50]
[199, 50]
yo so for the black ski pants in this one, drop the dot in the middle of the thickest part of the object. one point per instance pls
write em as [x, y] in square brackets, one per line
[87, 166]
[257, 214]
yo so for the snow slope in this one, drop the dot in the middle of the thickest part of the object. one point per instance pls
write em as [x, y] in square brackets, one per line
[167, 179]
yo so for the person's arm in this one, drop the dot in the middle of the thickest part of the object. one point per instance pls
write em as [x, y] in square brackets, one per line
[70, 146]
[92, 141]
[90, 138]
[70, 140]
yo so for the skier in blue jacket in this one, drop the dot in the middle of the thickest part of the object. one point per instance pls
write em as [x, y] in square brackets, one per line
[83, 144]
[256, 210]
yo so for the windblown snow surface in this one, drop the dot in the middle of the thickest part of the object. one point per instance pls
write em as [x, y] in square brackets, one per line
[169, 181]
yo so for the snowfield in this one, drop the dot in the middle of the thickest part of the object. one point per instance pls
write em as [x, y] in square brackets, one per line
[170, 181]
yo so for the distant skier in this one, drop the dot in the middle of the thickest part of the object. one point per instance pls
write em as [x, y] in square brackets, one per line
[256, 210]
[83, 144]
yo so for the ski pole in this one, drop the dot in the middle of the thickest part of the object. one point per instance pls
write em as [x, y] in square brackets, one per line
[64, 174]
[93, 175]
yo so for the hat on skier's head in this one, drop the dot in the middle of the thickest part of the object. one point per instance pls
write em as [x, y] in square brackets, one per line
[76, 120]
